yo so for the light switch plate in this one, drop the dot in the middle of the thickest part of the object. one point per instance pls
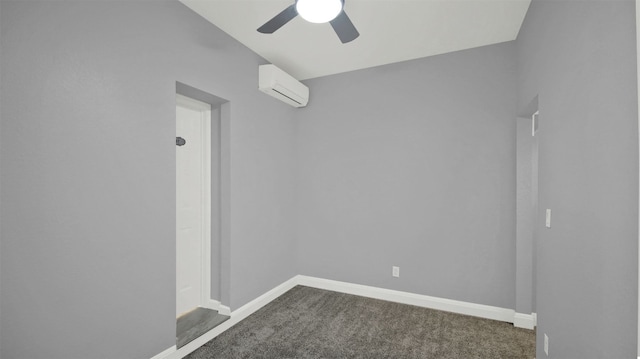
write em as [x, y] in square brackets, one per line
[546, 344]
[548, 219]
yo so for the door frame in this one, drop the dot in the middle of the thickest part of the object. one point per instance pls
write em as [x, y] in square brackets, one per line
[205, 130]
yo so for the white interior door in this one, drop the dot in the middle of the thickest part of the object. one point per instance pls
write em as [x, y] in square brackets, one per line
[191, 206]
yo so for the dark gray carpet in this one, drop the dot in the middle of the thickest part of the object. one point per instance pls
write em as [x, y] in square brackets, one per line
[312, 323]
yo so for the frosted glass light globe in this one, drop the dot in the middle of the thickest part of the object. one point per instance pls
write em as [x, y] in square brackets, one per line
[319, 11]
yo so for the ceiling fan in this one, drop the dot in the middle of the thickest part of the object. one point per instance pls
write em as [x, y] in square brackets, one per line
[316, 11]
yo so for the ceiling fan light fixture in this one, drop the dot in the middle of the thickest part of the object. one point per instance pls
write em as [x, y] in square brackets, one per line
[319, 11]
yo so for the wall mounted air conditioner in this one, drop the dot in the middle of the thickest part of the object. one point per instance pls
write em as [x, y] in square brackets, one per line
[281, 85]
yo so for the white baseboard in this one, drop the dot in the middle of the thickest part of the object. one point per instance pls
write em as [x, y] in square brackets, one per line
[212, 304]
[224, 310]
[218, 307]
[449, 305]
[165, 353]
[526, 321]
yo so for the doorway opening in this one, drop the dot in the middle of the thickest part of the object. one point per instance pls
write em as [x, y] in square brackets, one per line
[200, 229]
[193, 204]
[526, 219]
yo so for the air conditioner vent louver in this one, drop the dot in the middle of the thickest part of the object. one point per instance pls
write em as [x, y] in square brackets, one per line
[292, 99]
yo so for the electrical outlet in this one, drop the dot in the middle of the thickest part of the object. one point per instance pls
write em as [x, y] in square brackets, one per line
[395, 271]
[546, 344]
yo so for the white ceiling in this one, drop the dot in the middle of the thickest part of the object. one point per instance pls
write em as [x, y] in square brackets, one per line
[390, 31]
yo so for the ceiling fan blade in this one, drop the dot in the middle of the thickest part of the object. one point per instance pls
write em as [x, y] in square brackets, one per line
[344, 28]
[279, 20]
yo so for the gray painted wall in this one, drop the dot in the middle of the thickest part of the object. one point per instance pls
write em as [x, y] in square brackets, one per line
[579, 57]
[413, 164]
[87, 159]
